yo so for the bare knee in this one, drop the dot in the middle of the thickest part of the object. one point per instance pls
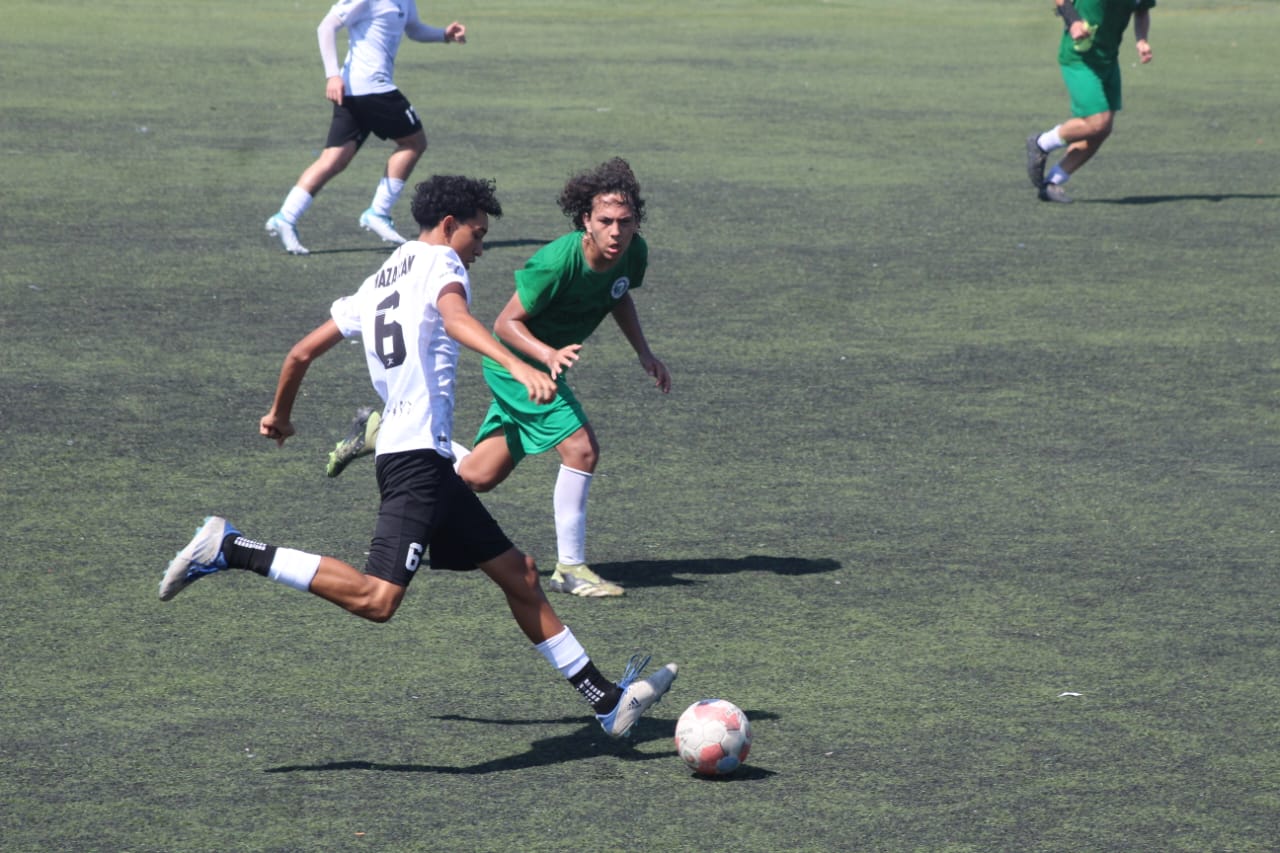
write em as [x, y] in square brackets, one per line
[529, 581]
[580, 451]
[377, 603]
[517, 574]
[486, 466]
[327, 166]
[1099, 126]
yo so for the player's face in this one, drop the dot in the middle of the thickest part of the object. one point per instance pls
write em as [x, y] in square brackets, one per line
[610, 229]
[468, 238]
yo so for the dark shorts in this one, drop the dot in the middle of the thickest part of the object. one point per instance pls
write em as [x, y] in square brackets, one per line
[428, 512]
[387, 115]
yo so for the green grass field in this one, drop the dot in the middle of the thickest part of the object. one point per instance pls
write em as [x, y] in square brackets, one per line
[968, 500]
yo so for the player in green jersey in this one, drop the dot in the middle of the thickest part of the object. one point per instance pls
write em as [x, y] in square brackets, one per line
[562, 295]
[1088, 55]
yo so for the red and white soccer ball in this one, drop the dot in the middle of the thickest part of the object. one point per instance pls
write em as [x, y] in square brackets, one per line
[713, 737]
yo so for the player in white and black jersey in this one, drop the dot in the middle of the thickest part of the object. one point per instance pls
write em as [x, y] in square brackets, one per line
[411, 315]
[365, 100]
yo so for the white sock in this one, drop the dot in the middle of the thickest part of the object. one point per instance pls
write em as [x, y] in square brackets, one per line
[385, 196]
[295, 204]
[570, 500]
[564, 652]
[294, 568]
[1058, 175]
[459, 453]
[1050, 140]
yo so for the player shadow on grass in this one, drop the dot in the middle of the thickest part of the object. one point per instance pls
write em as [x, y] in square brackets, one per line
[646, 573]
[387, 248]
[1160, 199]
[581, 744]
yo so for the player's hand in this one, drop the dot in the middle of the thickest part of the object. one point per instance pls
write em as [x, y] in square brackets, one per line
[659, 372]
[562, 359]
[1144, 51]
[541, 387]
[275, 428]
[455, 33]
[1079, 30]
[333, 89]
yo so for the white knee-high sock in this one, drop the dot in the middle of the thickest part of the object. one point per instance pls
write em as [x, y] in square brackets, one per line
[295, 204]
[570, 500]
[385, 196]
[564, 652]
[294, 568]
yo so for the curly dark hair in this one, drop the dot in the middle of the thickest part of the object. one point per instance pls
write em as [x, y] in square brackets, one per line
[453, 195]
[614, 176]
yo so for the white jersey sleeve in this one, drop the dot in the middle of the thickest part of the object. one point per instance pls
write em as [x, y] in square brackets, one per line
[327, 34]
[412, 361]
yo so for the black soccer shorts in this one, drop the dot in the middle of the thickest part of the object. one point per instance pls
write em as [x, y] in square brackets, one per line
[387, 115]
[428, 514]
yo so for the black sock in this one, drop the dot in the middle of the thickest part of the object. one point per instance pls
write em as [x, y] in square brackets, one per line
[602, 693]
[245, 553]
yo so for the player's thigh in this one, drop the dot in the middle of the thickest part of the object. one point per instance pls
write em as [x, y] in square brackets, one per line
[580, 449]
[1086, 90]
[530, 427]
[388, 115]
[467, 535]
[346, 129]
[413, 499]
[489, 463]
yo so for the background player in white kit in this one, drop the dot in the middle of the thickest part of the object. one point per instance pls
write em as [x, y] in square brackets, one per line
[365, 100]
[411, 315]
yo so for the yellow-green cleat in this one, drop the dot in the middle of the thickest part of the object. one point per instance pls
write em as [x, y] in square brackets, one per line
[361, 440]
[581, 581]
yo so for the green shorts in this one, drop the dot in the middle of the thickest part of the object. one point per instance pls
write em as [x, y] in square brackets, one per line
[1092, 90]
[530, 428]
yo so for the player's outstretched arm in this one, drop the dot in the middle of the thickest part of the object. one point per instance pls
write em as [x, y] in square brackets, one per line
[276, 424]
[628, 320]
[464, 328]
[512, 327]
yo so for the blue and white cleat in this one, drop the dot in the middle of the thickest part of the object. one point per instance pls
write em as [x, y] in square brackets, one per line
[637, 696]
[202, 556]
[382, 226]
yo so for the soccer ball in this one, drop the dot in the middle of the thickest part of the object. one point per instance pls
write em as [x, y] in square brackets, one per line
[713, 737]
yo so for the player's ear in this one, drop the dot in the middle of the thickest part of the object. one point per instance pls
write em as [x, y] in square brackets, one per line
[448, 225]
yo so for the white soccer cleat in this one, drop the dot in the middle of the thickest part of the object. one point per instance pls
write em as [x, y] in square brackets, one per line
[380, 225]
[637, 696]
[277, 227]
[202, 556]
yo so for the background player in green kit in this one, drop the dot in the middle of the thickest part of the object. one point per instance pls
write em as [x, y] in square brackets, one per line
[562, 294]
[1088, 55]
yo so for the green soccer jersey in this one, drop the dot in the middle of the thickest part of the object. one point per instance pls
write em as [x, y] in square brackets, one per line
[565, 299]
[1111, 19]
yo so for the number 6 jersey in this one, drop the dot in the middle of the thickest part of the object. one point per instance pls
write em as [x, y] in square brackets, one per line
[412, 361]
